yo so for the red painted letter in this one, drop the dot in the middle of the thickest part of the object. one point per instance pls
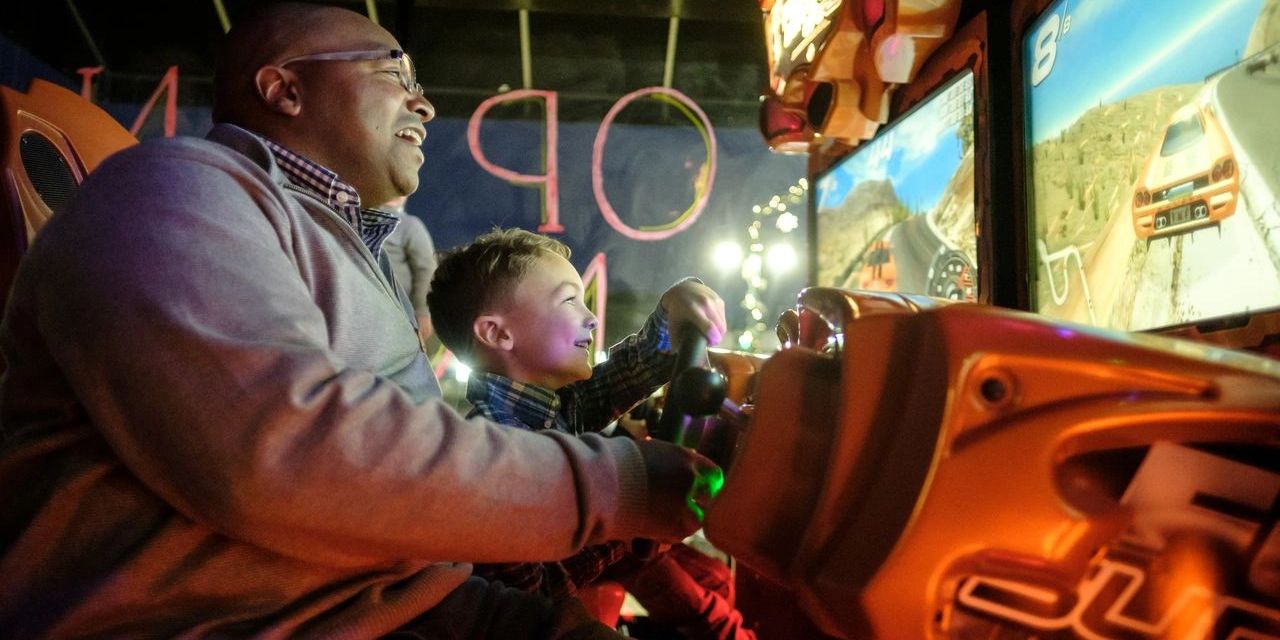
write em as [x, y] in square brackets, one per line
[86, 85]
[699, 119]
[170, 82]
[596, 280]
[549, 182]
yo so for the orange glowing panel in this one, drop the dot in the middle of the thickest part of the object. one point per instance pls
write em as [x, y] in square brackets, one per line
[912, 30]
[834, 62]
[922, 469]
[850, 100]
[51, 139]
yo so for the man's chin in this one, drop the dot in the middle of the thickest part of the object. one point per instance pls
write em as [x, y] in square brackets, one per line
[406, 185]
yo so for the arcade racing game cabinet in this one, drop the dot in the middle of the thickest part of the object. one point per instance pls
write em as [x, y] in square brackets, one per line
[916, 462]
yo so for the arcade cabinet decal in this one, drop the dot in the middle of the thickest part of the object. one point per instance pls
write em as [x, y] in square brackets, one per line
[1199, 560]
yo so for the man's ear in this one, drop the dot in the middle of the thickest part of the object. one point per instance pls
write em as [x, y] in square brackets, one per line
[277, 88]
[490, 332]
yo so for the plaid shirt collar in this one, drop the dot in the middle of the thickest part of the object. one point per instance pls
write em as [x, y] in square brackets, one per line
[371, 225]
[508, 402]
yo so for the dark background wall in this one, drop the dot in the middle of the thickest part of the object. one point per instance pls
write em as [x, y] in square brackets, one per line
[590, 53]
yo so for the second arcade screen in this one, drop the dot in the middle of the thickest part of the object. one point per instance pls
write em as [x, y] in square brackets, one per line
[1154, 160]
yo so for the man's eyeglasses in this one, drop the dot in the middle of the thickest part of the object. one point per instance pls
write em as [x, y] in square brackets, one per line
[408, 76]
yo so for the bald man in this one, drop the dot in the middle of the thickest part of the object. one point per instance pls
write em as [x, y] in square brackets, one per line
[248, 440]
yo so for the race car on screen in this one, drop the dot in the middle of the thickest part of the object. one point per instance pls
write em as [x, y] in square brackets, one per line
[879, 270]
[1190, 180]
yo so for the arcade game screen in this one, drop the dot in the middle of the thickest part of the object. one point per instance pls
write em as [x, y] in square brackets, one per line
[1154, 160]
[898, 213]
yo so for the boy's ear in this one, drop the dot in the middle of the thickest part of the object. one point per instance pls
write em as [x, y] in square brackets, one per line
[490, 332]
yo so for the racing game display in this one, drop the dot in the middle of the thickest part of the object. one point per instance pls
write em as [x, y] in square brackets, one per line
[1154, 160]
[898, 213]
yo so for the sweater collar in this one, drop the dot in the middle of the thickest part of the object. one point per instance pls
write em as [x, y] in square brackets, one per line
[286, 166]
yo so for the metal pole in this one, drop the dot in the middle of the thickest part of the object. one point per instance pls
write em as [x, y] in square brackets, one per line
[669, 68]
[371, 7]
[526, 57]
[222, 15]
[88, 37]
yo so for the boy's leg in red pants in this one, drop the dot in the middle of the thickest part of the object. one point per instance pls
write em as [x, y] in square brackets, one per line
[674, 595]
[479, 609]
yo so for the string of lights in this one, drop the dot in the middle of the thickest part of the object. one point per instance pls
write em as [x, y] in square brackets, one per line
[769, 249]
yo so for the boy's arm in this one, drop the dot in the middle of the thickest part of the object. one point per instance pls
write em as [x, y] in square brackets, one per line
[637, 365]
[640, 363]
[586, 566]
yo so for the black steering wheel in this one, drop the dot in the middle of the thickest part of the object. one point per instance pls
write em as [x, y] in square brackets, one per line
[695, 391]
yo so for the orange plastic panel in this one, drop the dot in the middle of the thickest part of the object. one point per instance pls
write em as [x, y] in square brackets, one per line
[82, 133]
[858, 99]
[962, 471]
[778, 465]
[833, 63]
[912, 30]
[739, 370]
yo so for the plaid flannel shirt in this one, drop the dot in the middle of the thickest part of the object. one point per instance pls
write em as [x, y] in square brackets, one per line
[371, 225]
[637, 366]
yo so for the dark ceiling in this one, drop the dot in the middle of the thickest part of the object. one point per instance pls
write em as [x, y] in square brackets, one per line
[591, 52]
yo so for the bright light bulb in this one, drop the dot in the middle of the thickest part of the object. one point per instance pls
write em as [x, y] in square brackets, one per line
[727, 255]
[461, 372]
[787, 222]
[781, 257]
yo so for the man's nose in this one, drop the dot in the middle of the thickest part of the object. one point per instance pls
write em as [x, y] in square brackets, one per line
[419, 104]
[592, 322]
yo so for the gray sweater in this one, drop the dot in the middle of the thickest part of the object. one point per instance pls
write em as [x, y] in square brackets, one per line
[412, 255]
[217, 420]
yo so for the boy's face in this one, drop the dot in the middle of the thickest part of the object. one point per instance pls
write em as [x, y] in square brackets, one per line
[550, 325]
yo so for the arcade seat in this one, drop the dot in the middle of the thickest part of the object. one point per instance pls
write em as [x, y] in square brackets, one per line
[51, 139]
[922, 469]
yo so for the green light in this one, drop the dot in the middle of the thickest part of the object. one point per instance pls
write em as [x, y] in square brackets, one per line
[708, 482]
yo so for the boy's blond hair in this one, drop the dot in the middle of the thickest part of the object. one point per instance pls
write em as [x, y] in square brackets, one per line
[481, 277]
